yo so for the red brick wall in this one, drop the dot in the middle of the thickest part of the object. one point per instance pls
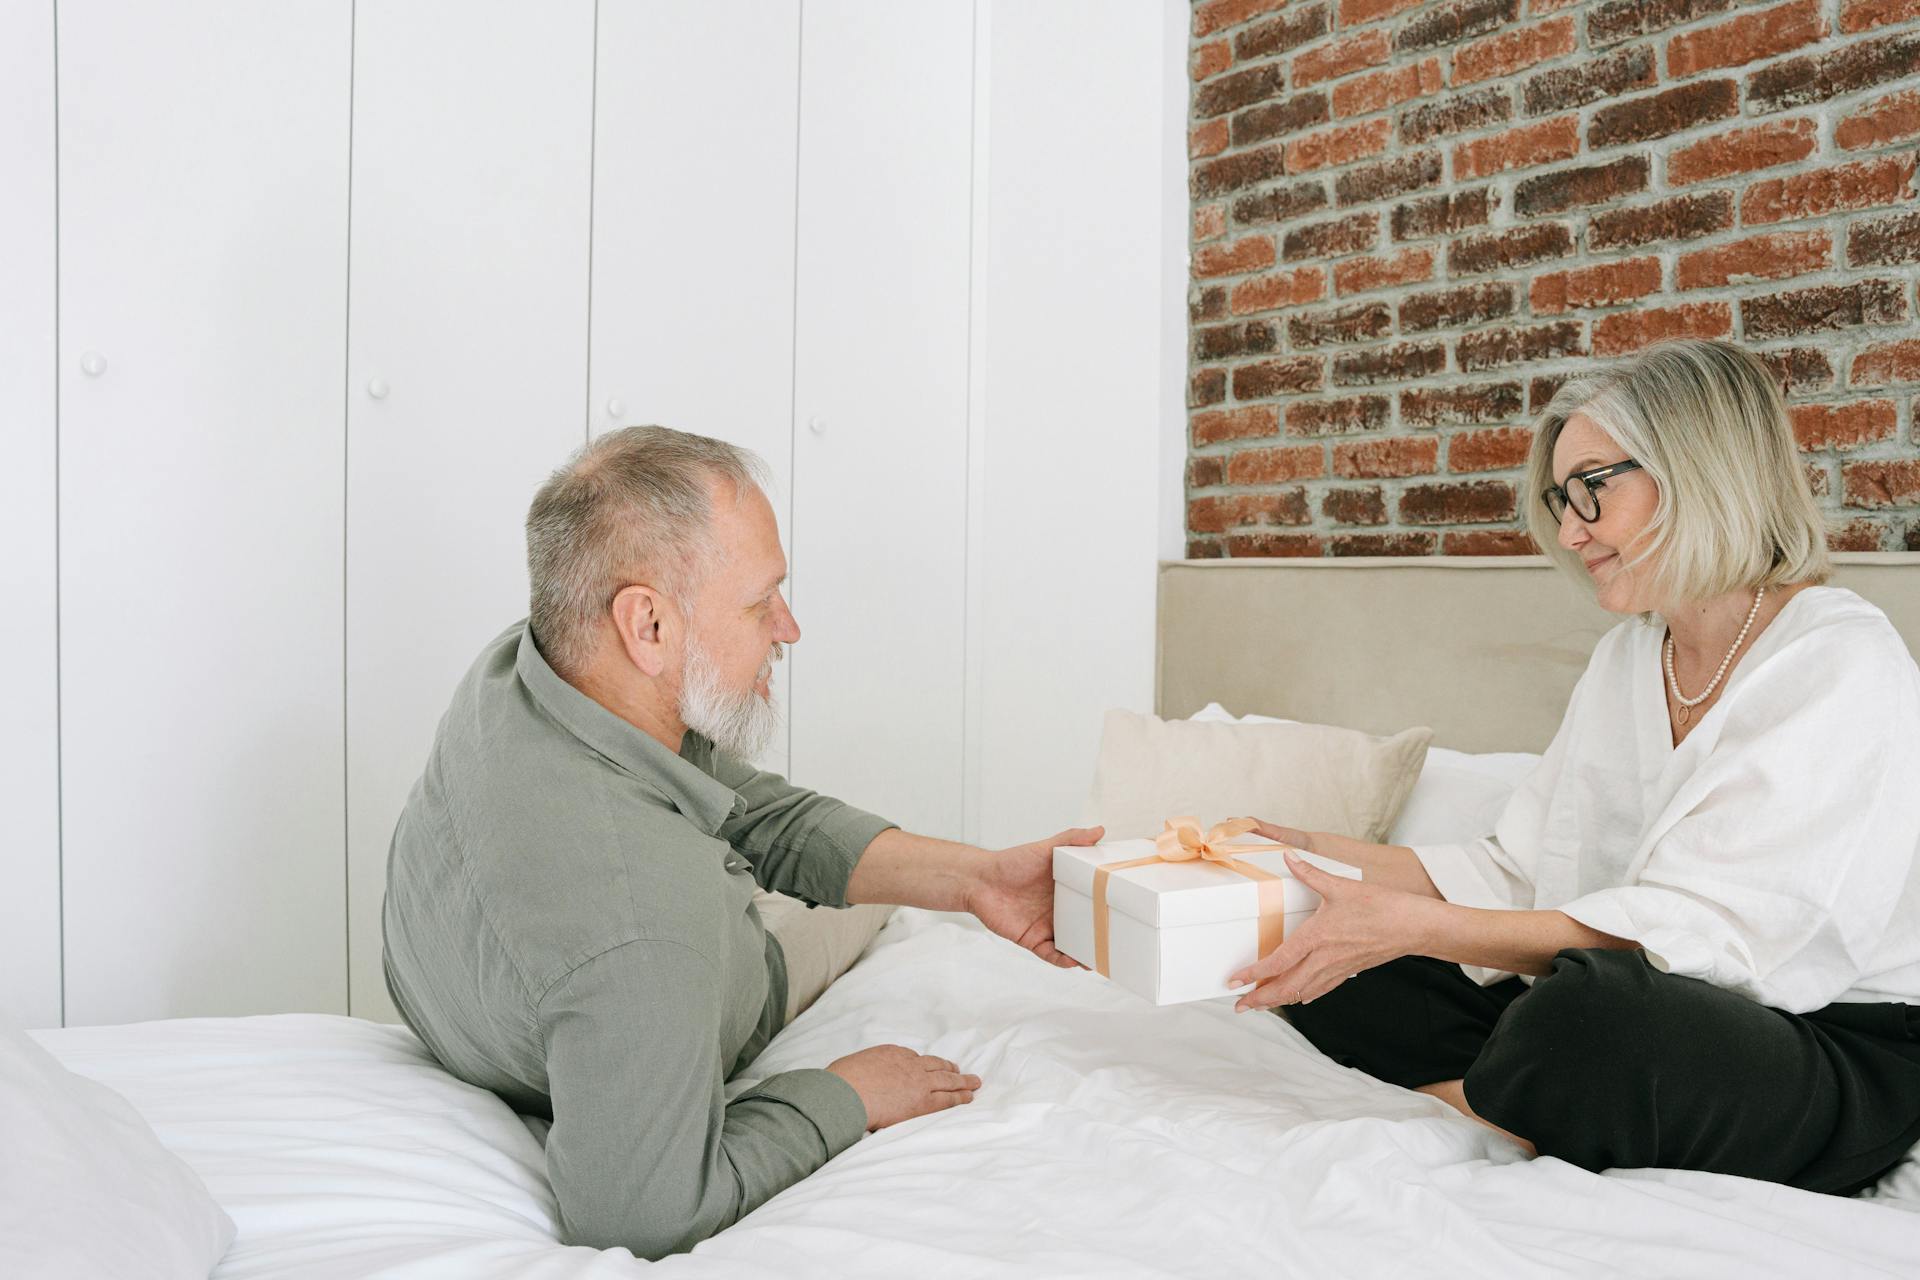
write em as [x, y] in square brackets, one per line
[1412, 219]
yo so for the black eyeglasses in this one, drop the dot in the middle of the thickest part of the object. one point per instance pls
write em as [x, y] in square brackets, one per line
[1582, 491]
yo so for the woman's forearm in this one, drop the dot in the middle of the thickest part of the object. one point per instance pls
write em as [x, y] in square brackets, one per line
[1392, 866]
[1512, 941]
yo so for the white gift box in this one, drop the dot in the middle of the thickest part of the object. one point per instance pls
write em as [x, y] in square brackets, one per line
[1176, 931]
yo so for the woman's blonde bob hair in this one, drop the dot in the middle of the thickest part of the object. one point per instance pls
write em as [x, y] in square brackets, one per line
[1706, 421]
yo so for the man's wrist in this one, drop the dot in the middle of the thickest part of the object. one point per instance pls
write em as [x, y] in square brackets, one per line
[976, 872]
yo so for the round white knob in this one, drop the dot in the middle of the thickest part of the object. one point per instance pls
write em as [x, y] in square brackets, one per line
[93, 364]
[377, 388]
[817, 425]
[616, 408]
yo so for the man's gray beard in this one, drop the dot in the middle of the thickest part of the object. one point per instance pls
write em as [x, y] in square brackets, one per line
[738, 722]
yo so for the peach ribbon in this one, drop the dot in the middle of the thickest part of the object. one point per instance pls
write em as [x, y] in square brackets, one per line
[1183, 841]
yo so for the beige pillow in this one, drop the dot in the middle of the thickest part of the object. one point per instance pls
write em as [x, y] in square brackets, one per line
[1312, 776]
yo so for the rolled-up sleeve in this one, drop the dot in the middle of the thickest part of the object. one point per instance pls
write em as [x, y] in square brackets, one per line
[645, 1152]
[1784, 912]
[1475, 874]
[800, 843]
[1679, 933]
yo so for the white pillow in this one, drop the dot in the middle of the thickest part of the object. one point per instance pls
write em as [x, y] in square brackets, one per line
[86, 1189]
[1317, 777]
[340, 1147]
[1458, 797]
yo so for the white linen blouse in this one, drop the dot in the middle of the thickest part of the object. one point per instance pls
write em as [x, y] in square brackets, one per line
[1775, 852]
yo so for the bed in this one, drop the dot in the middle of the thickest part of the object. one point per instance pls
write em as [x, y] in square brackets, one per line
[1111, 1138]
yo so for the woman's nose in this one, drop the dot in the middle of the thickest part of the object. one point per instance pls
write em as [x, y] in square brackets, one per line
[1573, 531]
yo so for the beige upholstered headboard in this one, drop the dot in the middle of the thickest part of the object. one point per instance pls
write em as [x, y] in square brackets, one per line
[1483, 650]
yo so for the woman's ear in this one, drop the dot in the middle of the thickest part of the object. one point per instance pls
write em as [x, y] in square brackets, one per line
[640, 616]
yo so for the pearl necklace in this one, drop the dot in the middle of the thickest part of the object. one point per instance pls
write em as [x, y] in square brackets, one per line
[1688, 704]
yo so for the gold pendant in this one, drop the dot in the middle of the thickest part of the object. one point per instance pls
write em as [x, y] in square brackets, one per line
[1686, 714]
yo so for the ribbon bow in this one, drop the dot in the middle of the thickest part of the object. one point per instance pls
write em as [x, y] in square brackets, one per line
[1183, 841]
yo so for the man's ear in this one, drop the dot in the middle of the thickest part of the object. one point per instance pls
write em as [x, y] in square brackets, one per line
[641, 616]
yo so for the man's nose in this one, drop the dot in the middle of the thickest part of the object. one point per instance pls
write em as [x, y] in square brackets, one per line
[786, 626]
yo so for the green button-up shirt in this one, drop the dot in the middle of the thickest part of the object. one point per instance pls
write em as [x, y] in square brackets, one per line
[569, 922]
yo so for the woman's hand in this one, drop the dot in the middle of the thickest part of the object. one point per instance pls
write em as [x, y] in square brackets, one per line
[1359, 925]
[1282, 835]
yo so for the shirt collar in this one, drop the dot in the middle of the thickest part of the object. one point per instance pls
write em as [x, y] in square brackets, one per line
[701, 798]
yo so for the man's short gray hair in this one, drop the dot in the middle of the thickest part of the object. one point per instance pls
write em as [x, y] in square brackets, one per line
[631, 507]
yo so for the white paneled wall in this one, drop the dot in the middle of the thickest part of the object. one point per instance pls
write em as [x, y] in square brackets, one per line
[693, 240]
[1067, 526]
[467, 367]
[880, 398]
[29, 636]
[203, 254]
[350, 279]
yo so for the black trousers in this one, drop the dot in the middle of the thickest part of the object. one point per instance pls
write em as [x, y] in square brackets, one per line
[1608, 1063]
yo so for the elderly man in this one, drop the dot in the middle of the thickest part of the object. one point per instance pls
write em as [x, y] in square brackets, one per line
[572, 918]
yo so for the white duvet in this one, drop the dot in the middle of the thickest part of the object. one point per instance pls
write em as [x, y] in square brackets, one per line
[1111, 1139]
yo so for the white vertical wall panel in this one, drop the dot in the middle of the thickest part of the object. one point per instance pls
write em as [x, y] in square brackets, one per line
[1176, 221]
[29, 728]
[203, 176]
[693, 230]
[471, 192]
[1063, 577]
[880, 403]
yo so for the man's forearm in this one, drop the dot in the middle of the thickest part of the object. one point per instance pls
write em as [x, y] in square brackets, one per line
[916, 871]
[1510, 941]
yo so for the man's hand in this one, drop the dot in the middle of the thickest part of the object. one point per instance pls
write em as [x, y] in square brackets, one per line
[896, 1084]
[1010, 891]
[1013, 895]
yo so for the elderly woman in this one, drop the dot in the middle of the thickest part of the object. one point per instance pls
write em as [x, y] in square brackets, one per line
[1710, 881]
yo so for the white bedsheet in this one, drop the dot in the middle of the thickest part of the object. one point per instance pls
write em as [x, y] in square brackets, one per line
[1111, 1139]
